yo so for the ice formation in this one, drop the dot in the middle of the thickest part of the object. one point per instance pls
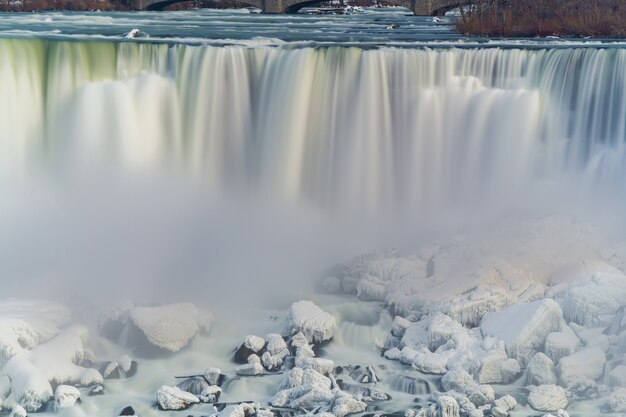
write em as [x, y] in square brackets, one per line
[173, 398]
[310, 320]
[170, 327]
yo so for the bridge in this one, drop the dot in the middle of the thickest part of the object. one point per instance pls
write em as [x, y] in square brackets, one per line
[419, 7]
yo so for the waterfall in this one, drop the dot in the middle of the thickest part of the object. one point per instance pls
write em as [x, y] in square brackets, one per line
[337, 127]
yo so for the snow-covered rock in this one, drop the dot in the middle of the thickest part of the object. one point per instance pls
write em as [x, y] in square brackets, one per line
[460, 381]
[430, 363]
[617, 400]
[18, 411]
[169, 327]
[503, 405]
[321, 365]
[523, 327]
[510, 370]
[561, 344]
[65, 396]
[343, 404]
[547, 398]
[313, 322]
[399, 326]
[594, 303]
[491, 362]
[540, 370]
[584, 365]
[431, 332]
[558, 413]
[617, 377]
[173, 398]
[254, 367]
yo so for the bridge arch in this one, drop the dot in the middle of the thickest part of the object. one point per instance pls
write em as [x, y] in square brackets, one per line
[418, 7]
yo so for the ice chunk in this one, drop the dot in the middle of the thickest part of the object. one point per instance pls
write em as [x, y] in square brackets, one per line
[314, 323]
[491, 366]
[586, 364]
[510, 370]
[547, 398]
[323, 366]
[540, 370]
[459, 380]
[254, 367]
[16, 336]
[18, 411]
[617, 400]
[371, 289]
[65, 396]
[173, 398]
[170, 327]
[343, 404]
[523, 327]
[431, 363]
[594, 303]
[399, 326]
[617, 377]
[561, 344]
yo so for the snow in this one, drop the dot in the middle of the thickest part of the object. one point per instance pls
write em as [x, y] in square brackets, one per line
[510, 370]
[617, 400]
[540, 370]
[172, 326]
[561, 344]
[617, 377]
[173, 398]
[547, 398]
[254, 343]
[18, 411]
[313, 322]
[523, 327]
[65, 396]
[460, 381]
[580, 367]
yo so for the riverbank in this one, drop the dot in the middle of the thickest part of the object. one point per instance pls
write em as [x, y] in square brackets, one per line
[572, 18]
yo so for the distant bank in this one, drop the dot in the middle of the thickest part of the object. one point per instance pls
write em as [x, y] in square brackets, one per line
[531, 18]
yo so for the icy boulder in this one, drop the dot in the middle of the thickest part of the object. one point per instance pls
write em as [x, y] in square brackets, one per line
[16, 336]
[560, 344]
[510, 370]
[460, 381]
[581, 367]
[18, 411]
[45, 318]
[314, 323]
[540, 370]
[547, 398]
[523, 327]
[431, 332]
[594, 303]
[169, 327]
[617, 377]
[65, 396]
[55, 362]
[173, 398]
[617, 400]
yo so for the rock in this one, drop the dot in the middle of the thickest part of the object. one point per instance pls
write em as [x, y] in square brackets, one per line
[523, 327]
[502, 406]
[445, 406]
[617, 400]
[254, 367]
[168, 328]
[460, 381]
[431, 332]
[399, 326]
[314, 323]
[491, 366]
[594, 303]
[251, 345]
[617, 377]
[323, 366]
[343, 404]
[210, 394]
[97, 390]
[370, 288]
[540, 370]
[128, 411]
[173, 398]
[18, 411]
[65, 396]
[547, 398]
[561, 344]
[430, 363]
[214, 376]
[586, 364]
[393, 354]
[510, 370]
[243, 410]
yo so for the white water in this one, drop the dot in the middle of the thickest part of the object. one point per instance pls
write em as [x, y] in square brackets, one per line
[376, 131]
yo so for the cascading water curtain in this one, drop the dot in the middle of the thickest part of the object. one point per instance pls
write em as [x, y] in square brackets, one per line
[341, 128]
